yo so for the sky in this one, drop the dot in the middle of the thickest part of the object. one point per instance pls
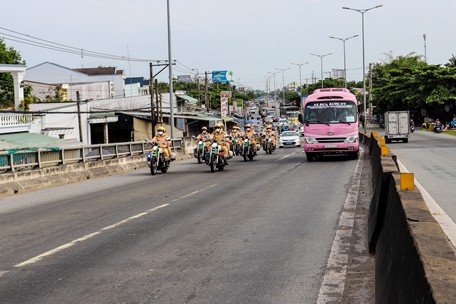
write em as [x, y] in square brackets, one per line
[252, 38]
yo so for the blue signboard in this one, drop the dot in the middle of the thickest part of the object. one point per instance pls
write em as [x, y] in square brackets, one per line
[222, 76]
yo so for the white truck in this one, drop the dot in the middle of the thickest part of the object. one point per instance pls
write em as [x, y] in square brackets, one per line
[397, 126]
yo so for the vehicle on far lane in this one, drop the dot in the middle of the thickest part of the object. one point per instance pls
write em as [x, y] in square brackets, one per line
[289, 138]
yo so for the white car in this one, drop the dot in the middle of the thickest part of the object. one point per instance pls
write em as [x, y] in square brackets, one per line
[289, 138]
[282, 121]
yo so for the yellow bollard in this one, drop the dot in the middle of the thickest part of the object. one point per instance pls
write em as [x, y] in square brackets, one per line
[407, 181]
[384, 150]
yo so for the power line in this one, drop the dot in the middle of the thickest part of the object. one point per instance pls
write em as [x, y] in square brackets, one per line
[38, 42]
[186, 67]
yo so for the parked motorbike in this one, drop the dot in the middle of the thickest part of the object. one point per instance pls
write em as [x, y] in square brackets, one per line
[268, 145]
[215, 157]
[157, 160]
[247, 149]
[198, 152]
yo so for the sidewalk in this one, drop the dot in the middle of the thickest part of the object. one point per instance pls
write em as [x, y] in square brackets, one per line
[360, 278]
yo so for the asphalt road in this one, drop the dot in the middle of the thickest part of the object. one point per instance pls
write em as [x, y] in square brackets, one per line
[432, 159]
[258, 232]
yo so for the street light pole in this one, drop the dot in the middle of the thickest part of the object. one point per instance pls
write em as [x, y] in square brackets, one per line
[274, 83]
[268, 83]
[283, 83]
[345, 65]
[300, 79]
[362, 11]
[171, 89]
[321, 65]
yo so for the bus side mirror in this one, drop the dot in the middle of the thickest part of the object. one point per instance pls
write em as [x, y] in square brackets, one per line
[301, 118]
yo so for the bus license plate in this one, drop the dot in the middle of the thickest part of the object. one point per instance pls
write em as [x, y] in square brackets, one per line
[330, 146]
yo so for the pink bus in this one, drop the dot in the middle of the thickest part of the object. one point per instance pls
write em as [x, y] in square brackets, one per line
[330, 122]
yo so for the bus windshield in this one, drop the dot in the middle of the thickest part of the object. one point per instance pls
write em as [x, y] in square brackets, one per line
[330, 112]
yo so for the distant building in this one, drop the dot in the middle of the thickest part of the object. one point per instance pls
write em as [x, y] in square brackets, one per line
[83, 80]
[184, 78]
[136, 86]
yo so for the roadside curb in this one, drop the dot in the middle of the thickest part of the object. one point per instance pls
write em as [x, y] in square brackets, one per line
[31, 180]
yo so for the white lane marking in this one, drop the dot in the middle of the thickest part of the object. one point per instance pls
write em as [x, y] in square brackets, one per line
[191, 194]
[3, 273]
[288, 155]
[333, 284]
[447, 224]
[86, 237]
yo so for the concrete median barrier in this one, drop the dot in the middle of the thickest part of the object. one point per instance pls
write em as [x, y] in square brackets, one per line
[414, 260]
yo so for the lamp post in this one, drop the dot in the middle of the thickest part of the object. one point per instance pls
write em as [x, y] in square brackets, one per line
[171, 89]
[362, 11]
[345, 65]
[274, 84]
[268, 83]
[321, 65]
[300, 79]
[283, 83]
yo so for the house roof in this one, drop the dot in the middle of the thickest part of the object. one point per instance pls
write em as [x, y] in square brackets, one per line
[188, 98]
[28, 141]
[99, 71]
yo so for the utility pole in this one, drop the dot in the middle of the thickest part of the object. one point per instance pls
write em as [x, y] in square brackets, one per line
[78, 99]
[370, 91]
[425, 55]
[158, 99]
[152, 78]
[170, 69]
[199, 89]
[151, 88]
[206, 92]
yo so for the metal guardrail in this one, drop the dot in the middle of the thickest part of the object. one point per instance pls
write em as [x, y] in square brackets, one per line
[41, 158]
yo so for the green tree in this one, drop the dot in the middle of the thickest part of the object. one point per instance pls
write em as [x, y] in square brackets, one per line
[407, 83]
[8, 55]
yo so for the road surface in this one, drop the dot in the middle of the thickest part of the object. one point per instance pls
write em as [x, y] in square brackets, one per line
[258, 232]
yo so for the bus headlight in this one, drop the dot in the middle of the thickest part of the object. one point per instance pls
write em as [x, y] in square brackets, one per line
[351, 139]
[310, 140]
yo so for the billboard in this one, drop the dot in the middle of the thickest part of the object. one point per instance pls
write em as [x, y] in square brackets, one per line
[222, 76]
[224, 110]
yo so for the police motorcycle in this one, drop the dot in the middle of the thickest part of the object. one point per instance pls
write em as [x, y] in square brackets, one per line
[247, 149]
[199, 151]
[156, 158]
[235, 147]
[215, 157]
[268, 145]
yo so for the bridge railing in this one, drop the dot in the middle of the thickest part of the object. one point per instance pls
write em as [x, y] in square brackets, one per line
[17, 160]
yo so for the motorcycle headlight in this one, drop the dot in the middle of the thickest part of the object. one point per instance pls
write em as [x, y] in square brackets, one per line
[351, 139]
[311, 140]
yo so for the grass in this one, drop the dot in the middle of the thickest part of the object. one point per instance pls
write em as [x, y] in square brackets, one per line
[448, 132]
